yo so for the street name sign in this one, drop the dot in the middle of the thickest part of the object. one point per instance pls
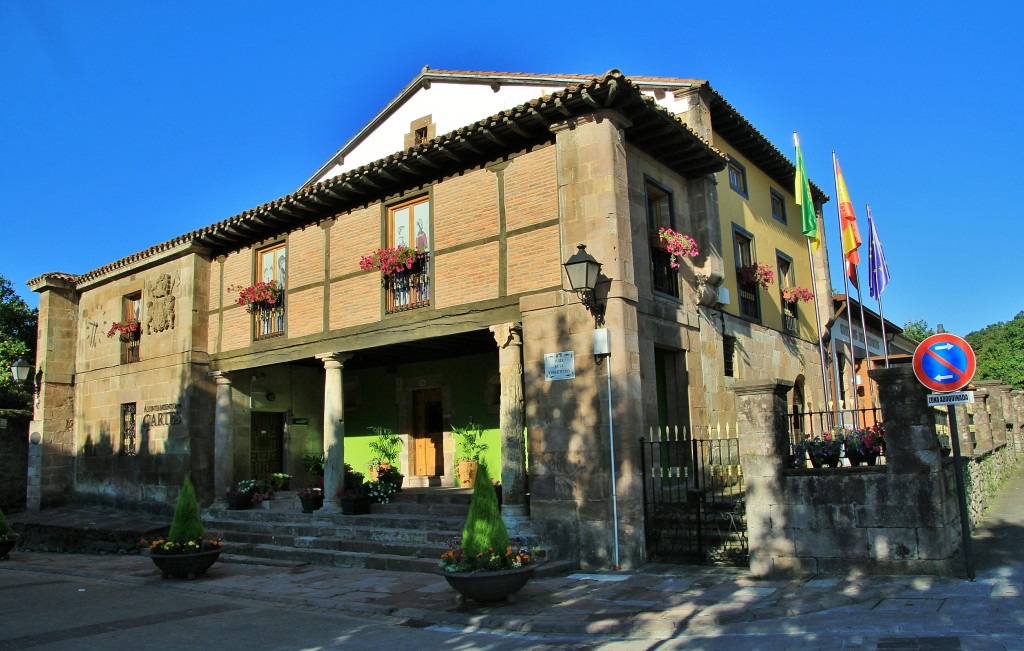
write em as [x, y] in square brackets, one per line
[951, 398]
[944, 362]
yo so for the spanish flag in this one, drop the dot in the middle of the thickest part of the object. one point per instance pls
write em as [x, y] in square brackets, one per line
[847, 225]
[802, 192]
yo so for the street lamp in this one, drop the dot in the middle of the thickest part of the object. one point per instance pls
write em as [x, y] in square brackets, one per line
[20, 370]
[583, 271]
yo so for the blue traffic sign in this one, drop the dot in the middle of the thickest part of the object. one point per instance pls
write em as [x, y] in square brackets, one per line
[944, 362]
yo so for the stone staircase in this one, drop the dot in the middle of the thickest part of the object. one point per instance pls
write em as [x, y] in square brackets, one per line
[408, 534]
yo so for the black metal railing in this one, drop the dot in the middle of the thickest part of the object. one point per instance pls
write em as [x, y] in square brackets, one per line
[410, 288]
[268, 321]
[813, 432]
[693, 498]
[665, 279]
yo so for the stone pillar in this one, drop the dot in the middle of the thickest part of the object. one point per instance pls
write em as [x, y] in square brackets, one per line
[1009, 427]
[982, 424]
[997, 422]
[1017, 400]
[223, 437]
[52, 456]
[963, 427]
[764, 444]
[334, 430]
[509, 337]
[912, 445]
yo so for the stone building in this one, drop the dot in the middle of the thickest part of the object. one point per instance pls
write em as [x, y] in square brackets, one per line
[496, 179]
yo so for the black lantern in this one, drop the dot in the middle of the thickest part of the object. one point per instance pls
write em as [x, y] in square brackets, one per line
[20, 370]
[583, 271]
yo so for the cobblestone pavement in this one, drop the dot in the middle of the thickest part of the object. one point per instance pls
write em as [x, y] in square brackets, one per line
[658, 606]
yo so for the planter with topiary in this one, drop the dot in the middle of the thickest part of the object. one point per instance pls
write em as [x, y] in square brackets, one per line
[186, 551]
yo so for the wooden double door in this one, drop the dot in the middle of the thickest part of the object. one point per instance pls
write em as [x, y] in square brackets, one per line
[267, 443]
[427, 433]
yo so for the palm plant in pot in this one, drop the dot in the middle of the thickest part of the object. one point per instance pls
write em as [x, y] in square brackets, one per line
[471, 447]
[386, 447]
[186, 551]
[483, 564]
[8, 539]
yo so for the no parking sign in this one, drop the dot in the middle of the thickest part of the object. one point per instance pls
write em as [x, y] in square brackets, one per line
[944, 362]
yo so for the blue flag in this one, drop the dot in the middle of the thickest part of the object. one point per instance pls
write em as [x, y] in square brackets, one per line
[878, 271]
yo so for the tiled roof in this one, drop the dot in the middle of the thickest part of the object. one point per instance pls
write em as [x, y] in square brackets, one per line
[657, 130]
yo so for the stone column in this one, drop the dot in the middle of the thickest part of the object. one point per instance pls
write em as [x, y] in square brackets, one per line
[982, 425]
[509, 337]
[912, 445]
[963, 427]
[223, 439]
[1010, 427]
[1017, 400]
[997, 422]
[334, 430]
[764, 444]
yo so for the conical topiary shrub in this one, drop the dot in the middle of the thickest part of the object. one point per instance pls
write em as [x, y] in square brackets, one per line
[187, 525]
[484, 530]
[5, 531]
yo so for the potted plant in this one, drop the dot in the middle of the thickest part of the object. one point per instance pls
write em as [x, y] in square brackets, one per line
[758, 273]
[280, 481]
[483, 564]
[127, 330]
[386, 447]
[797, 294]
[678, 245]
[8, 539]
[261, 296]
[824, 450]
[388, 483]
[314, 465]
[243, 495]
[864, 445]
[392, 260]
[355, 493]
[186, 552]
[312, 498]
[470, 447]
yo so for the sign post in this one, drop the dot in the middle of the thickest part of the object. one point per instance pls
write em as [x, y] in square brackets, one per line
[944, 363]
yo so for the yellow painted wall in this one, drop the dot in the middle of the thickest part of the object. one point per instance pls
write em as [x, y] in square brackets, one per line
[754, 214]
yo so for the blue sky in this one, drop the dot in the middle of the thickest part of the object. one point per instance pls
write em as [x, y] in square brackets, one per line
[125, 124]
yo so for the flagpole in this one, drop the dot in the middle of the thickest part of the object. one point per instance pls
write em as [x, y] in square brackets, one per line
[867, 351]
[881, 314]
[817, 320]
[846, 289]
[809, 227]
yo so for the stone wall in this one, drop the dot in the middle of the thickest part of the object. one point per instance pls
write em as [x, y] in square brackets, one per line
[901, 517]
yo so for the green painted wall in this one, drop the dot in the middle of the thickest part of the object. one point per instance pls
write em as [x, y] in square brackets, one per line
[373, 399]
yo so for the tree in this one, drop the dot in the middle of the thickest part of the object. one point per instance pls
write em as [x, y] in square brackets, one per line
[17, 339]
[1000, 351]
[918, 330]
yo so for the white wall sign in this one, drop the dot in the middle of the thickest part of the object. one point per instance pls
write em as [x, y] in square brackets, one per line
[559, 366]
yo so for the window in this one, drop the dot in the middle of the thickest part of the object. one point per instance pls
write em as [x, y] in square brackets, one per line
[132, 309]
[746, 285]
[420, 136]
[128, 429]
[409, 225]
[271, 265]
[664, 278]
[737, 176]
[784, 272]
[778, 206]
[729, 355]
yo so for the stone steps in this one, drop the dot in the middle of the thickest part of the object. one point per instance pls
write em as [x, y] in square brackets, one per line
[407, 534]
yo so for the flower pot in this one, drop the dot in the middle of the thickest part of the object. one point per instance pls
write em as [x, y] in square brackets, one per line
[855, 458]
[467, 472]
[355, 505]
[310, 504]
[490, 587]
[7, 545]
[239, 501]
[185, 566]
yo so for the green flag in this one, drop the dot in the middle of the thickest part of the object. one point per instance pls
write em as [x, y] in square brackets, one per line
[802, 191]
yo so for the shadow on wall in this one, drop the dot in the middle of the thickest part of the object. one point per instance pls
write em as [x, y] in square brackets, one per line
[13, 461]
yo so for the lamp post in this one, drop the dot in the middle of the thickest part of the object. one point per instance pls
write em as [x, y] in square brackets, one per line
[583, 272]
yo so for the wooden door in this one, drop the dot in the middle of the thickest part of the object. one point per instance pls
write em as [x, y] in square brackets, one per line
[427, 431]
[267, 443]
